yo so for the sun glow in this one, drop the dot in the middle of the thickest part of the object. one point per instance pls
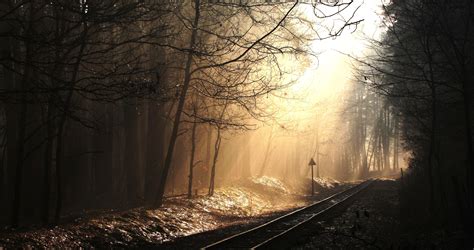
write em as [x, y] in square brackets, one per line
[307, 117]
[310, 112]
[329, 74]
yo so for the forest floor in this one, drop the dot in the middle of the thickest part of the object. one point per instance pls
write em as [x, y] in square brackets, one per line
[231, 209]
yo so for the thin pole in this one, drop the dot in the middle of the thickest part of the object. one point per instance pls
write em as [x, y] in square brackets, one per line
[312, 180]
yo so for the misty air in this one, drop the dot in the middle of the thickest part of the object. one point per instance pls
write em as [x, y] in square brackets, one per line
[236, 124]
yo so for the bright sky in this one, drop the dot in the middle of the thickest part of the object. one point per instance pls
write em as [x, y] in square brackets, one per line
[330, 73]
[316, 97]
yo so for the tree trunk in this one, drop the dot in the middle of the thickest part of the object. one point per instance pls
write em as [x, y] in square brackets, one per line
[395, 144]
[22, 124]
[386, 139]
[207, 160]
[217, 146]
[267, 154]
[131, 152]
[245, 158]
[61, 124]
[179, 109]
[191, 160]
[51, 122]
[434, 124]
[12, 123]
[155, 142]
[48, 159]
[468, 130]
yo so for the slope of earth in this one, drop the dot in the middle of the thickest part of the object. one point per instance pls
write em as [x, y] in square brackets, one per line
[251, 201]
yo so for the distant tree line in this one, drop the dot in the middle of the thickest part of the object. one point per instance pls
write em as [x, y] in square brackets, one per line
[372, 144]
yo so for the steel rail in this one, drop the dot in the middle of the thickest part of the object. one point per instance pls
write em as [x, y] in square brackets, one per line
[297, 219]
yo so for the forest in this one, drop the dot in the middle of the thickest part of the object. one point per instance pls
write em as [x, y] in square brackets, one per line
[138, 106]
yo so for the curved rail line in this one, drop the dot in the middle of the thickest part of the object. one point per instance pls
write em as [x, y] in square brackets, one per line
[279, 230]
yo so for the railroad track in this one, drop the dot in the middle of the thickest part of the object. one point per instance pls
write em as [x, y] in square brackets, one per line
[282, 231]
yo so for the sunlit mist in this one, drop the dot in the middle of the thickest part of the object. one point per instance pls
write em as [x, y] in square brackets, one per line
[310, 117]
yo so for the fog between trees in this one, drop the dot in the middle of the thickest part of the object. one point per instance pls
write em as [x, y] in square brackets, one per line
[117, 104]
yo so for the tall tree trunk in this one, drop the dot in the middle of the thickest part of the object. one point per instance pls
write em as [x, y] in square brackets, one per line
[217, 146]
[395, 143]
[434, 125]
[155, 142]
[386, 139]
[8, 49]
[363, 125]
[48, 159]
[207, 160]
[51, 121]
[22, 122]
[131, 152]
[20, 159]
[468, 131]
[245, 158]
[431, 152]
[179, 109]
[62, 122]
[267, 153]
[191, 160]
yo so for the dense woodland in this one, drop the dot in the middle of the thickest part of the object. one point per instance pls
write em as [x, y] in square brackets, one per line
[103, 101]
[424, 68]
[117, 104]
